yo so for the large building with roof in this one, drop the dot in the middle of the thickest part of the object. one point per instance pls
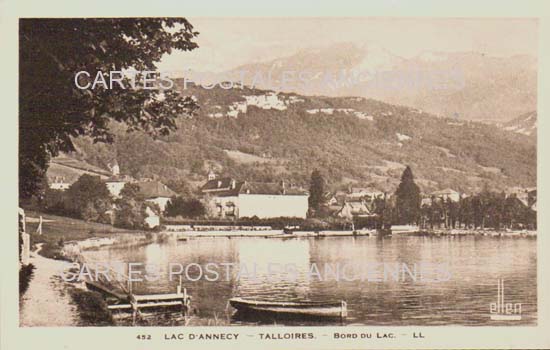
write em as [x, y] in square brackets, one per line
[230, 198]
[155, 192]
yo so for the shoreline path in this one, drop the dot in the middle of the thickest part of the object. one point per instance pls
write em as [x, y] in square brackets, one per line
[46, 303]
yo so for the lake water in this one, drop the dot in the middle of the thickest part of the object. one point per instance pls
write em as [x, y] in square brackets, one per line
[458, 284]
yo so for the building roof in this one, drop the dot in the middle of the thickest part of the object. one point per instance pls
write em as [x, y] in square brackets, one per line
[155, 189]
[357, 208]
[361, 192]
[69, 170]
[226, 187]
[271, 188]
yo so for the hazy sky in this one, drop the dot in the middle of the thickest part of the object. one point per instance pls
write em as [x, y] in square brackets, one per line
[230, 42]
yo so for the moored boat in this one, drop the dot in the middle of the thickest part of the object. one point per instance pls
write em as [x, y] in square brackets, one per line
[295, 309]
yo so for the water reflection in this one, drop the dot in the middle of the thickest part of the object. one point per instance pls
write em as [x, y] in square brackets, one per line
[475, 264]
[281, 264]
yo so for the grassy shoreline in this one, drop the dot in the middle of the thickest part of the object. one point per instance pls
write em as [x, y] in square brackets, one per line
[56, 230]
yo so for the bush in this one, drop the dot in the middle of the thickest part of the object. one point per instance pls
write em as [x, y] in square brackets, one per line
[130, 214]
[25, 275]
[54, 202]
[275, 223]
[187, 208]
[91, 308]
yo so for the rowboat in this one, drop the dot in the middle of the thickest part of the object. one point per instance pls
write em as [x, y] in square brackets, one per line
[294, 309]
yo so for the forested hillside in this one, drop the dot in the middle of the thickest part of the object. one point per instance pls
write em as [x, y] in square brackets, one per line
[259, 135]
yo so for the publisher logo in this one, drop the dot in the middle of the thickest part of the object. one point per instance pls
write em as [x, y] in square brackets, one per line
[503, 311]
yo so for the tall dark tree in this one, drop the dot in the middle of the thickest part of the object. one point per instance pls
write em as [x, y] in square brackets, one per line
[407, 199]
[53, 110]
[316, 191]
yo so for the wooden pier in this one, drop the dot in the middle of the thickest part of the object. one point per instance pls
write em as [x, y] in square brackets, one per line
[127, 301]
[135, 302]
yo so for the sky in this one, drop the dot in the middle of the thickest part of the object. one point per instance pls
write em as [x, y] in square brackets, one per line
[226, 43]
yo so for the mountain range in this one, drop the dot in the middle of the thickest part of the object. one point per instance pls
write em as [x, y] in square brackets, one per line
[463, 85]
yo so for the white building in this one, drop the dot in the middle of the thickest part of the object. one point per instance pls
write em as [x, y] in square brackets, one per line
[115, 186]
[59, 183]
[152, 220]
[230, 198]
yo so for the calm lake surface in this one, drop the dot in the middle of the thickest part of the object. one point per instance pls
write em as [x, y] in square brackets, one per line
[461, 298]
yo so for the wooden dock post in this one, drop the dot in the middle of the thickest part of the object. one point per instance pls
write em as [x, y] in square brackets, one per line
[134, 304]
[184, 297]
[344, 312]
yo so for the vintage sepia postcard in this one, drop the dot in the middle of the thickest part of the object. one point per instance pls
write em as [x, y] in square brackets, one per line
[285, 181]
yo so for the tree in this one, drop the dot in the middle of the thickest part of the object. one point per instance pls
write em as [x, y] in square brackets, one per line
[383, 210]
[316, 191]
[53, 110]
[131, 191]
[426, 215]
[130, 208]
[54, 201]
[187, 208]
[408, 199]
[88, 199]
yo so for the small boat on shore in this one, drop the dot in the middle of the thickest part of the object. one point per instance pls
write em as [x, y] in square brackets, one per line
[292, 309]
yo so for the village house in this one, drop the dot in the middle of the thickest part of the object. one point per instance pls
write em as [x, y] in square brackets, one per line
[337, 199]
[59, 183]
[63, 171]
[229, 198]
[360, 212]
[446, 194]
[356, 208]
[441, 196]
[353, 194]
[115, 184]
[368, 193]
[527, 196]
[155, 192]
